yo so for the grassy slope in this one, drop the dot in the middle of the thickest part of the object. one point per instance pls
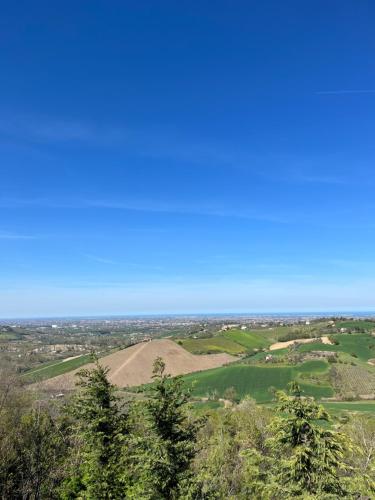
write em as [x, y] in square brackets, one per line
[6, 336]
[362, 345]
[212, 345]
[256, 380]
[363, 324]
[49, 370]
[249, 340]
[363, 406]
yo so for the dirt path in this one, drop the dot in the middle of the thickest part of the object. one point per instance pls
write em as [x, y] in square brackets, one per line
[129, 360]
[282, 345]
[72, 357]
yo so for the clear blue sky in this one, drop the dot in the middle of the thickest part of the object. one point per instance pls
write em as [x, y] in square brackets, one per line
[182, 156]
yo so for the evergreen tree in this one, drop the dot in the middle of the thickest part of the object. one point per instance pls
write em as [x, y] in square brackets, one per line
[173, 436]
[309, 456]
[100, 428]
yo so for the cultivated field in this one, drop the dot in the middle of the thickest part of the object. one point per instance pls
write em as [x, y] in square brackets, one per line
[258, 380]
[133, 366]
[353, 379]
[212, 345]
[358, 345]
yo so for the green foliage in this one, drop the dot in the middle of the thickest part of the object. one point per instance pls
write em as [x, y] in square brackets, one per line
[157, 448]
[173, 435]
[99, 426]
[231, 462]
[33, 445]
[309, 456]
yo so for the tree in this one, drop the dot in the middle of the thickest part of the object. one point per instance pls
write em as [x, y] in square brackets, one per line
[361, 430]
[32, 446]
[309, 456]
[100, 427]
[172, 441]
[231, 395]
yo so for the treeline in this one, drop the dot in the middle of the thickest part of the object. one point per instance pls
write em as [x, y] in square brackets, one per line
[97, 447]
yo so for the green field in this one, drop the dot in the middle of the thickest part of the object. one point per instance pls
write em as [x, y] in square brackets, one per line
[212, 345]
[257, 380]
[362, 406]
[359, 324]
[49, 370]
[249, 340]
[231, 342]
[6, 336]
[361, 345]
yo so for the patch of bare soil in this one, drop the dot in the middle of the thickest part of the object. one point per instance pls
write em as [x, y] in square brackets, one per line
[133, 366]
[282, 345]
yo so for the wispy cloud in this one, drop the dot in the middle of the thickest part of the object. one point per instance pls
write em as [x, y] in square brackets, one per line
[5, 235]
[343, 92]
[100, 260]
[151, 206]
[47, 130]
[320, 179]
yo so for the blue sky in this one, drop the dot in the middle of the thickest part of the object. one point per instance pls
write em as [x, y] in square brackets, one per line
[186, 156]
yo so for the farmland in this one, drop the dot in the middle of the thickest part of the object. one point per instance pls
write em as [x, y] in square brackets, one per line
[212, 345]
[257, 380]
[133, 366]
[249, 340]
[53, 369]
[353, 379]
[232, 342]
[361, 346]
[254, 369]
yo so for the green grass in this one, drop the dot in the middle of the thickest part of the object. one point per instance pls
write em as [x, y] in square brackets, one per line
[212, 345]
[362, 345]
[314, 366]
[255, 380]
[6, 336]
[249, 340]
[363, 406]
[207, 405]
[362, 324]
[49, 370]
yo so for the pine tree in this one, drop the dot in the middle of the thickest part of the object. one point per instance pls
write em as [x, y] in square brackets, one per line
[309, 456]
[100, 427]
[173, 436]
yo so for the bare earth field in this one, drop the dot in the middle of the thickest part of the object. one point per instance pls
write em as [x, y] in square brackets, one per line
[133, 366]
[282, 345]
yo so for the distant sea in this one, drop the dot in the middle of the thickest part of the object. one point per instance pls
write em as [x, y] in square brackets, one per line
[211, 315]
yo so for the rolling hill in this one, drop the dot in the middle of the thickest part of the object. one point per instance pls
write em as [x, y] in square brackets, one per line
[133, 366]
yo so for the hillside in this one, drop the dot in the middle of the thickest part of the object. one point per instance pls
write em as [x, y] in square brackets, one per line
[133, 366]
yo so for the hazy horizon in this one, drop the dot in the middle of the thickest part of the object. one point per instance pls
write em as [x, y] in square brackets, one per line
[169, 156]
